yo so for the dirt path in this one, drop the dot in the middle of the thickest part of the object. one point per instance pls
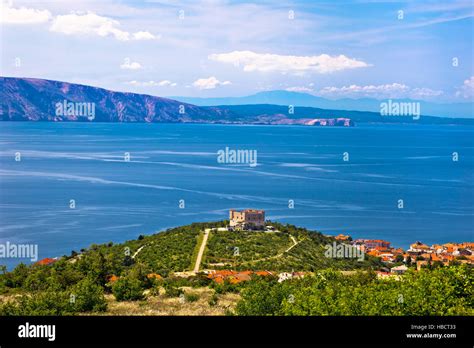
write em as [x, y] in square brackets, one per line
[295, 243]
[201, 250]
[138, 250]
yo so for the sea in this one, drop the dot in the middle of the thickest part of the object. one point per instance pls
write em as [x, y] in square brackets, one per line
[64, 186]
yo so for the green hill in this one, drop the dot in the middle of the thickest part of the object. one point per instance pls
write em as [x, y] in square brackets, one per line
[175, 250]
[292, 248]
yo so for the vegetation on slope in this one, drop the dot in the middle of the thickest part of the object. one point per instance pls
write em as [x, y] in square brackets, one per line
[442, 291]
[276, 251]
[85, 282]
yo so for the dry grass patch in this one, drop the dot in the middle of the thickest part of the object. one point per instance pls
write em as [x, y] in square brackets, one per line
[162, 305]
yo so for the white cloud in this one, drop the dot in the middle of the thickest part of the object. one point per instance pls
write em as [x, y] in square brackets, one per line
[424, 93]
[87, 24]
[79, 23]
[394, 90]
[93, 24]
[322, 64]
[299, 89]
[209, 83]
[467, 89]
[22, 15]
[128, 64]
[166, 83]
[144, 35]
[151, 83]
[142, 83]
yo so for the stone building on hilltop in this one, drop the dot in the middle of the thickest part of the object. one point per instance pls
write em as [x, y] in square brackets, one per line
[248, 219]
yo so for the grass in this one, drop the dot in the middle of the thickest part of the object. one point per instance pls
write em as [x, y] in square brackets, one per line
[162, 305]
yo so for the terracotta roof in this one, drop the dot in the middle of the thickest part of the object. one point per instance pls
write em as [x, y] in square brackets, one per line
[235, 276]
[376, 241]
[374, 252]
[342, 237]
[113, 278]
[264, 273]
[46, 261]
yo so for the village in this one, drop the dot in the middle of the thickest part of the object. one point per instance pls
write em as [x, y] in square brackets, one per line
[396, 260]
[418, 254]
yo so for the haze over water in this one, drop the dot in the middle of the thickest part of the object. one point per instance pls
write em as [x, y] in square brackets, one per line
[118, 200]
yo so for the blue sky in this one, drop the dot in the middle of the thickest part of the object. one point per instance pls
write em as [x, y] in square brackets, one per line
[335, 49]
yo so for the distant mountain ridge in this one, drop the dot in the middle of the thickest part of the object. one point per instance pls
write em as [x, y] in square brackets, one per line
[29, 99]
[25, 99]
[281, 97]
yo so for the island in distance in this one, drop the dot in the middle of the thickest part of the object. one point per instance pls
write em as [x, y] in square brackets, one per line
[29, 99]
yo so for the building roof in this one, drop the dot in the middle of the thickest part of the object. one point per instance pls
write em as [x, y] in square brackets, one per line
[260, 211]
[342, 237]
[46, 261]
[400, 268]
[234, 276]
[419, 245]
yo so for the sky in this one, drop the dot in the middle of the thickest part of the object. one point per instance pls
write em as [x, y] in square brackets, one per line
[215, 48]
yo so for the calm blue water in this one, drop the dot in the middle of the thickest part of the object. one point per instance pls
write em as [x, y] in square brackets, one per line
[117, 200]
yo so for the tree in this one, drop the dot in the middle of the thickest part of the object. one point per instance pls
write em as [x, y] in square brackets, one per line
[127, 261]
[17, 277]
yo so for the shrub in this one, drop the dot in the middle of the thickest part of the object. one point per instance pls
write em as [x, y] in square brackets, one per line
[127, 289]
[191, 297]
[41, 303]
[88, 296]
[225, 287]
[441, 291]
[213, 300]
[262, 297]
[172, 291]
